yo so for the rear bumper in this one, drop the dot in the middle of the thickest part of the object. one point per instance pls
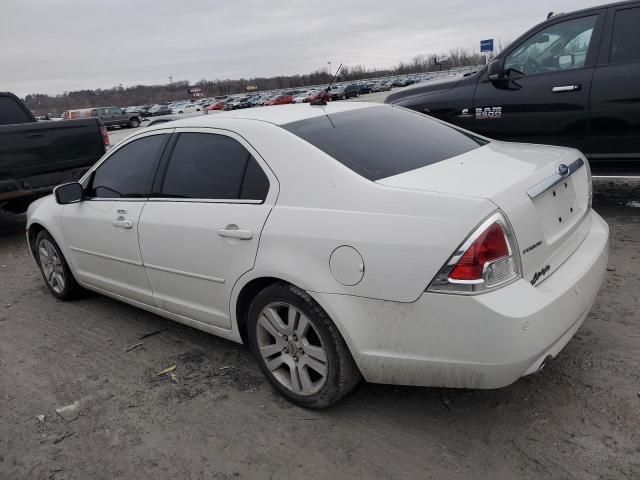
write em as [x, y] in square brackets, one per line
[483, 341]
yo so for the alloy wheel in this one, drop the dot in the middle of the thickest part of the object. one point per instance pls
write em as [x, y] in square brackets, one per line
[51, 266]
[291, 348]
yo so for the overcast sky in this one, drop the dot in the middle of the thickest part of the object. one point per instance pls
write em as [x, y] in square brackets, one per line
[52, 46]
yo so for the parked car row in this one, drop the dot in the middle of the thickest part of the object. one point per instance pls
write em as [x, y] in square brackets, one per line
[133, 115]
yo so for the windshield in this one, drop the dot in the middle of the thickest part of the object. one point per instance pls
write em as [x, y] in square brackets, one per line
[380, 142]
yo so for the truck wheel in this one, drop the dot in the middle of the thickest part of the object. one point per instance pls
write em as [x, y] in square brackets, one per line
[298, 347]
[134, 122]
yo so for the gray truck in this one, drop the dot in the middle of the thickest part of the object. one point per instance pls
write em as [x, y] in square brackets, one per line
[119, 117]
[37, 156]
[109, 116]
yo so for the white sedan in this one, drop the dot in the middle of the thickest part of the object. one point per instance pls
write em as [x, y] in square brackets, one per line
[340, 242]
[187, 108]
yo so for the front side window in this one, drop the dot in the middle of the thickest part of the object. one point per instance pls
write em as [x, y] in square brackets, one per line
[561, 46]
[382, 141]
[625, 44]
[211, 166]
[129, 172]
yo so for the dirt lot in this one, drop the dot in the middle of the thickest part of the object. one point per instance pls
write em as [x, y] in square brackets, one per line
[579, 418]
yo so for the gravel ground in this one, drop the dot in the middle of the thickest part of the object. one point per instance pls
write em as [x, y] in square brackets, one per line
[218, 419]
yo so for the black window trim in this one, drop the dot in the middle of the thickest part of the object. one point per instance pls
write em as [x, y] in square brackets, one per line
[604, 58]
[163, 165]
[87, 179]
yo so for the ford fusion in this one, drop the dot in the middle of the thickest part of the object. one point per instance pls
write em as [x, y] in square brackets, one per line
[339, 242]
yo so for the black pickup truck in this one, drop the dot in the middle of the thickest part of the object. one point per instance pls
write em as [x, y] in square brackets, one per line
[37, 156]
[573, 80]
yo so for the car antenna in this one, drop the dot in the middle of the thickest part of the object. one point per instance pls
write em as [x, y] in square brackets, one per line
[322, 101]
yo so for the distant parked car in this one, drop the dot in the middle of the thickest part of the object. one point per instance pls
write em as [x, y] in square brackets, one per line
[351, 91]
[232, 103]
[300, 97]
[337, 92]
[319, 95]
[258, 100]
[365, 88]
[158, 110]
[144, 110]
[408, 81]
[219, 105]
[118, 117]
[187, 108]
[279, 100]
[381, 86]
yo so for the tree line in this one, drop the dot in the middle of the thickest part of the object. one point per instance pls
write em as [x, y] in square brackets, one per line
[41, 104]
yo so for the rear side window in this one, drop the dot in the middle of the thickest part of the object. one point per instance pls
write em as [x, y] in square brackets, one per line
[210, 166]
[129, 172]
[625, 44]
[380, 142]
[11, 112]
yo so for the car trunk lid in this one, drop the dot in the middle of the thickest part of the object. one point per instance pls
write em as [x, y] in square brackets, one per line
[547, 211]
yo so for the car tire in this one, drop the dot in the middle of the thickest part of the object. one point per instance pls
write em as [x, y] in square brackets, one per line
[180, 111]
[134, 122]
[54, 268]
[311, 380]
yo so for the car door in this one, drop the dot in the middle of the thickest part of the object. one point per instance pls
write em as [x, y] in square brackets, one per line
[118, 118]
[201, 231]
[101, 232]
[615, 94]
[542, 97]
[106, 115]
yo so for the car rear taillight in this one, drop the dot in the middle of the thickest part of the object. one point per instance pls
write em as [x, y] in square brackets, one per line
[105, 136]
[487, 259]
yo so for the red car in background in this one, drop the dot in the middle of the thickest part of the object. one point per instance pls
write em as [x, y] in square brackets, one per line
[318, 96]
[279, 100]
[216, 106]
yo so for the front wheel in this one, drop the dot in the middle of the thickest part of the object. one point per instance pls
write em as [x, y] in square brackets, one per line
[54, 267]
[134, 122]
[298, 348]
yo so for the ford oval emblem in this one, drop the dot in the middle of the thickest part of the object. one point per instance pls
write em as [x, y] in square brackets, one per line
[563, 170]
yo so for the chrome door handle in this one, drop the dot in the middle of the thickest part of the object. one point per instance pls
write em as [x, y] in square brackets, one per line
[122, 223]
[566, 88]
[235, 233]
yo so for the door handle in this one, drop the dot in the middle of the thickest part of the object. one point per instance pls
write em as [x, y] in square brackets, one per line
[121, 223]
[566, 88]
[33, 135]
[235, 233]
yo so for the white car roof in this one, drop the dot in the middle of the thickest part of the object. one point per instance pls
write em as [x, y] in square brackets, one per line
[277, 114]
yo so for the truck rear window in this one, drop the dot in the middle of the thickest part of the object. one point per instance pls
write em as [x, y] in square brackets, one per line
[11, 112]
[380, 142]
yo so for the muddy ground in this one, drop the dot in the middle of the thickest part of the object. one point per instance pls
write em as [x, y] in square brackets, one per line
[579, 418]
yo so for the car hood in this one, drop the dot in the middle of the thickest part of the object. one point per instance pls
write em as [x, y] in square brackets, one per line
[424, 88]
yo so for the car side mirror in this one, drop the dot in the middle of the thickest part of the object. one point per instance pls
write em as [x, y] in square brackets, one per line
[495, 70]
[565, 61]
[69, 193]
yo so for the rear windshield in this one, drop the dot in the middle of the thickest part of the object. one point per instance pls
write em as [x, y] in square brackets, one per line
[380, 142]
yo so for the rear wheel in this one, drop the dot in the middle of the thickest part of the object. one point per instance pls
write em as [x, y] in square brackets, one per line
[54, 267]
[298, 348]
